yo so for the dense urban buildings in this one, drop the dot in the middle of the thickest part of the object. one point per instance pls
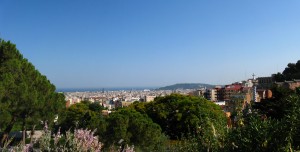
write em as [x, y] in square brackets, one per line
[229, 97]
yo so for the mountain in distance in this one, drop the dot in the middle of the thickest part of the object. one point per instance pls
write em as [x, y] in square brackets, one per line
[187, 86]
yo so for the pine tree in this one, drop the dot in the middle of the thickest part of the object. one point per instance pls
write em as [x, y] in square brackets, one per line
[25, 94]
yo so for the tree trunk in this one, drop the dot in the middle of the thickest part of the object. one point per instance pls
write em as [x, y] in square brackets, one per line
[24, 131]
[32, 133]
[7, 130]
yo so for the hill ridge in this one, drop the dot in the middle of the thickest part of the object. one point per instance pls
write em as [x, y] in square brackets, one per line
[186, 86]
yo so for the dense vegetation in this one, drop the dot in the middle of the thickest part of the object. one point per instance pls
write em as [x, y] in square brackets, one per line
[291, 72]
[171, 123]
[147, 125]
[125, 124]
[26, 96]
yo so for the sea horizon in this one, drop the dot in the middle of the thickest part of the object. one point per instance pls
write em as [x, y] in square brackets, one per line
[83, 89]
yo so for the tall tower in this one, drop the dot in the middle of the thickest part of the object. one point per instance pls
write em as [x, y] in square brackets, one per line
[254, 81]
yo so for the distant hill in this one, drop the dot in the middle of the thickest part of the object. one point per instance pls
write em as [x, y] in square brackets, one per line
[187, 86]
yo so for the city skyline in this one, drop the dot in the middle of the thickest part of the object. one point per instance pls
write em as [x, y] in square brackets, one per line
[105, 44]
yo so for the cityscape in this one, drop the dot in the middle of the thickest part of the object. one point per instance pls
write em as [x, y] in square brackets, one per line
[254, 89]
[149, 76]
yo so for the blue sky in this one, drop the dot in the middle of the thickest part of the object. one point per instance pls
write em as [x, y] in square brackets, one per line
[132, 43]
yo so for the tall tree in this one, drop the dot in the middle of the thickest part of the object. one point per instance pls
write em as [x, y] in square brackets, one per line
[25, 92]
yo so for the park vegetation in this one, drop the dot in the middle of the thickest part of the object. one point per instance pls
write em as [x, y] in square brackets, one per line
[27, 97]
[28, 101]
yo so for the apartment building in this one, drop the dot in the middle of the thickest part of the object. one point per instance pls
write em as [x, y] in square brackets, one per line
[211, 94]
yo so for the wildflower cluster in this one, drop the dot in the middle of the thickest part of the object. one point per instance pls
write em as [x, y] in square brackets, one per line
[82, 140]
[86, 140]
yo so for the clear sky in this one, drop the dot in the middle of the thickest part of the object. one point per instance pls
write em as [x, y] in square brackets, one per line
[131, 43]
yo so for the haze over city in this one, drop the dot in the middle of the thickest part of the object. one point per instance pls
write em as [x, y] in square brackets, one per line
[79, 44]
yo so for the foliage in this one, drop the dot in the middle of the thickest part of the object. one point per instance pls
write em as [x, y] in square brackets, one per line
[129, 125]
[292, 71]
[275, 128]
[96, 106]
[258, 135]
[292, 120]
[81, 140]
[274, 107]
[180, 116]
[25, 94]
[190, 144]
[83, 115]
[279, 77]
[134, 128]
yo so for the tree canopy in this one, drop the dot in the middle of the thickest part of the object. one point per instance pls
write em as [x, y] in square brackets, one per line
[292, 71]
[26, 96]
[180, 115]
[83, 115]
[186, 117]
[134, 128]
